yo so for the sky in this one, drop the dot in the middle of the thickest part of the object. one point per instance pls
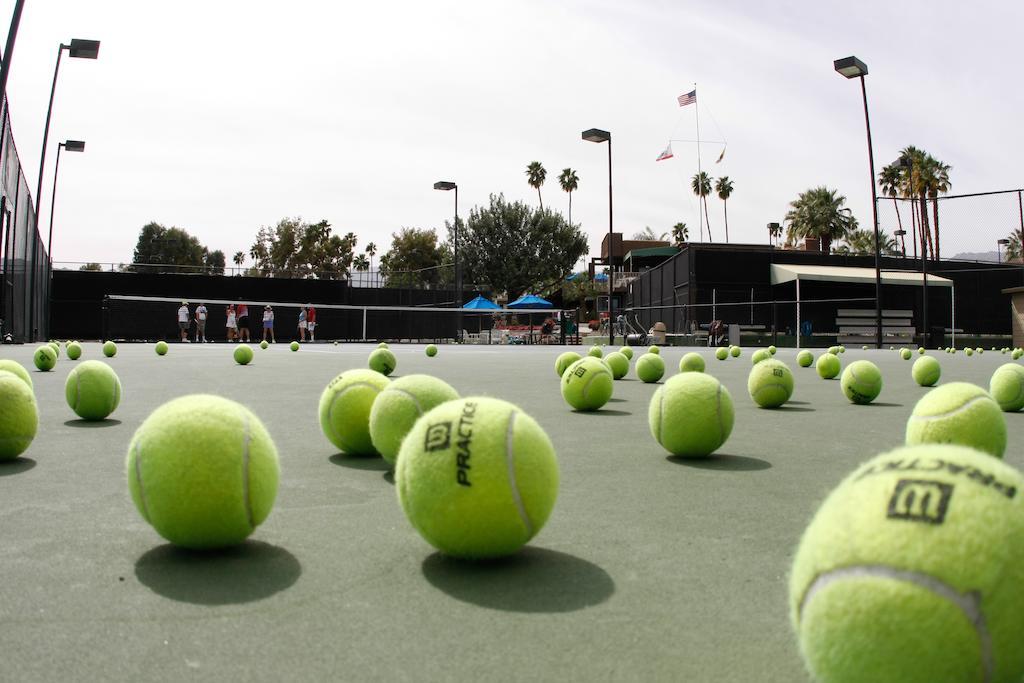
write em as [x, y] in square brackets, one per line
[222, 117]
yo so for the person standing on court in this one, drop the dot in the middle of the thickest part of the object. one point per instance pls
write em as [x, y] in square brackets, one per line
[183, 321]
[311, 321]
[242, 318]
[268, 324]
[232, 323]
[302, 323]
[201, 322]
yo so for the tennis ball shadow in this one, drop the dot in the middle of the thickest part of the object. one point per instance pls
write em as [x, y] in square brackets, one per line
[16, 466]
[244, 573]
[532, 580]
[721, 461]
[92, 424]
[601, 411]
[360, 462]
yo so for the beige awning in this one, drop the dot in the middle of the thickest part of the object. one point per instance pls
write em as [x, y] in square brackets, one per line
[787, 273]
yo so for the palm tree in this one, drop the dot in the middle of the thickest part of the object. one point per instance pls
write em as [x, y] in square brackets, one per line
[701, 185]
[863, 242]
[361, 263]
[916, 177]
[938, 182]
[371, 251]
[820, 212]
[774, 232]
[724, 188]
[569, 182]
[239, 258]
[535, 177]
[890, 180]
[680, 234]
[1014, 250]
[649, 235]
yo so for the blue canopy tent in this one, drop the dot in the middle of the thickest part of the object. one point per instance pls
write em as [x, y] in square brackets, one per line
[482, 304]
[531, 301]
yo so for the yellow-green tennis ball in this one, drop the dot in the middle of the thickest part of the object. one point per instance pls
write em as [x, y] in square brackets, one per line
[618, 364]
[980, 350]
[243, 354]
[969, 352]
[109, 349]
[294, 346]
[161, 348]
[203, 471]
[691, 415]
[735, 351]
[772, 350]
[722, 353]
[1007, 387]
[56, 348]
[477, 477]
[382, 345]
[382, 361]
[587, 384]
[760, 355]
[958, 413]
[264, 344]
[920, 350]
[74, 351]
[912, 571]
[1016, 354]
[905, 354]
[864, 348]
[926, 371]
[399, 405]
[16, 368]
[650, 368]
[834, 350]
[595, 351]
[431, 350]
[564, 360]
[828, 365]
[691, 362]
[93, 390]
[44, 358]
[19, 417]
[861, 381]
[345, 406]
[627, 351]
[770, 383]
[653, 349]
[805, 359]
[842, 349]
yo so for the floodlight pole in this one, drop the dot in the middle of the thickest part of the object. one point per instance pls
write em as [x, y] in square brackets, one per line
[448, 185]
[597, 135]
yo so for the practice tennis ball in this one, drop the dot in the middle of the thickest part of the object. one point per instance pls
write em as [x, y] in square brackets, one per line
[759, 355]
[920, 350]
[161, 348]
[243, 354]
[650, 368]
[864, 348]
[345, 406]
[399, 405]
[595, 352]
[431, 350]
[926, 371]
[109, 349]
[1016, 354]
[1007, 387]
[969, 352]
[618, 364]
[74, 351]
[45, 358]
[905, 354]
[912, 571]
[654, 349]
[203, 471]
[735, 351]
[828, 365]
[382, 345]
[958, 413]
[627, 351]
[770, 383]
[56, 348]
[19, 418]
[861, 381]
[477, 477]
[264, 344]
[772, 350]
[805, 359]
[722, 353]
[587, 384]
[980, 350]
[564, 360]
[842, 349]
[691, 362]
[93, 390]
[834, 350]
[16, 368]
[382, 361]
[294, 346]
[691, 415]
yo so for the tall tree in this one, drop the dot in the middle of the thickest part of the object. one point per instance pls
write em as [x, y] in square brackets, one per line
[680, 234]
[416, 259]
[1014, 250]
[862, 242]
[569, 182]
[890, 179]
[360, 263]
[238, 259]
[701, 184]
[724, 189]
[297, 249]
[214, 261]
[820, 212]
[169, 249]
[938, 183]
[535, 177]
[647, 234]
[371, 251]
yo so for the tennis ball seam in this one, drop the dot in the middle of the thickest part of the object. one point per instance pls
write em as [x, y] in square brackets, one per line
[718, 412]
[968, 603]
[586, 385]
[510, 462]
[138, 480]
[411, 396]
[757, 392]
[954, 411]
[334, 399]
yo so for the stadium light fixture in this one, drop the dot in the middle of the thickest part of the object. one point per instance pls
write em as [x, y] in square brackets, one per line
[1000, 243]
[598, 135]
[901, 233]
[70, 146]
[447, 185]
[851, 67]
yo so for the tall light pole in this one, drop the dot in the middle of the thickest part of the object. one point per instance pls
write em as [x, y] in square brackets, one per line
[71, 146]
[448, 185]
[851, 67]
[598, 135]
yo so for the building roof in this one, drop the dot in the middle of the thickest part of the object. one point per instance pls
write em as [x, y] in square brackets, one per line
[650, 252]
[787, 273]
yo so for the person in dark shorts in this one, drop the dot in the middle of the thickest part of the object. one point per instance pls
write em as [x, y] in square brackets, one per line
[242, 321]
[311, 322]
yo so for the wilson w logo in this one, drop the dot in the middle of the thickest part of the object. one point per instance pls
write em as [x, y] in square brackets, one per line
[920, 500]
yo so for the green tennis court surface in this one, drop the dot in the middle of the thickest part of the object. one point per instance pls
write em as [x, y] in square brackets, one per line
[650, 568]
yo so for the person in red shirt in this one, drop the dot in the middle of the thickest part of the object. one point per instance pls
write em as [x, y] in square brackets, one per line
[311, 322]
[242, 320]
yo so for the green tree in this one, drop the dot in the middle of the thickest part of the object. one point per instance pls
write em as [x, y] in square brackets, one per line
[862, 242]
[582, 289]
[371, 251]
[647, 234]
[920, 176]
[416, 259]
[819, 212]
[214, 261]
[301, 250]
[570, 182]
[680, 234]
[515, 249]
[93, 267]
[167, 250]
[1014, 252]
[890, 180]
[724, 189]
[360, 263]
[701, 184]
[238, 259]
[535, 177]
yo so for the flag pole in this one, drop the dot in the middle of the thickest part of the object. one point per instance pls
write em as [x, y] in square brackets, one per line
[696, 111]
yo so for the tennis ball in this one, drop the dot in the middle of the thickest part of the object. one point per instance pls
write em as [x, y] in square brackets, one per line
[650, 368]
[770, 383]
[905, 354]
[109, 349]
[74, 351]
[264, 344]
[161, 348]
[45, 358]
[203, 471]
[243, 354]
[564, 360]
[772, 350]
[912, 570]
[842, 349]
[8, 365]
[691, 415]
[1016, 354]
[861, 381]
[691, 362]
[1007, 387]
[828, 365]
[382, 345]
[958, 413]
[920, 350]
[294, 346]
[653, 349]
[759, 355]
[864, 348]
[382, 361]
[805, 359]
[722, 353]
[618, 364]
[627, 351]
[980, 350]
[595, 351]
[431, 350]
[477, 477]
[734, 351]
[93, 390]
[834, 350]
[19, 418]
[399, 405]
[56, 348]
[587, 384]
[345, 406]
[969, 352]
[926, 371]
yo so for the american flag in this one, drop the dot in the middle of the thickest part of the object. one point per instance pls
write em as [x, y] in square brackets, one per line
[688, 98]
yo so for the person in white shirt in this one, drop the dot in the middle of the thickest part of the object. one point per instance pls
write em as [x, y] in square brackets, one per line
[183, 321]
[201, 322]
[268, 324]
